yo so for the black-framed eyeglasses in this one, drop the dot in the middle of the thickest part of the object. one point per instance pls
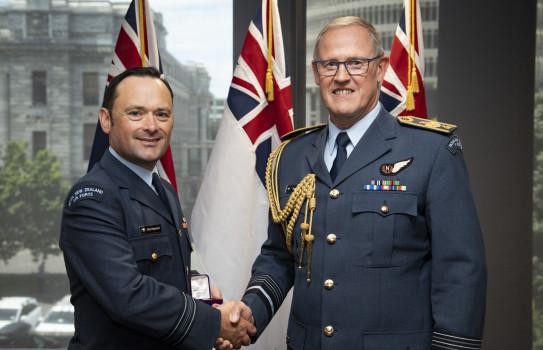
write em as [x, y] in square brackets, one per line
[354, 66]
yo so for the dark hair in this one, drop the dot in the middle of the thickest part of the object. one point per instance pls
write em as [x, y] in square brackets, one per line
[111, 91]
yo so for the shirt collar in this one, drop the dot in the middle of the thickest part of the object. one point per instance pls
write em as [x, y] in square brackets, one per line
[355, 132]
[143, 173]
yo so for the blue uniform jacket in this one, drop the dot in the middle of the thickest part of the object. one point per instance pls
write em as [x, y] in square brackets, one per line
[390, 270]
[128, 262]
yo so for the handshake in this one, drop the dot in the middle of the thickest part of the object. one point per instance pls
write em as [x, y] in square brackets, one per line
[237, 323]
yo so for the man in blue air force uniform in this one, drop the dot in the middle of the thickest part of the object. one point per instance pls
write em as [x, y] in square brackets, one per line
[386, 252]
[125, 240]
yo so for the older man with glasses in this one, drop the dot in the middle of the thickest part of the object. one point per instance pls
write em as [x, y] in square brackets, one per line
[374, 222]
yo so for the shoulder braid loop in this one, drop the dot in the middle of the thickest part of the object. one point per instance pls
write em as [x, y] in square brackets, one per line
[305, 190]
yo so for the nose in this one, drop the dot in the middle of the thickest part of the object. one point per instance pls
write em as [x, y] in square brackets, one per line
[149, 122]
[342, 74]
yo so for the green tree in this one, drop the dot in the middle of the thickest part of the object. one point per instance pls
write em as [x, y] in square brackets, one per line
[31, 199]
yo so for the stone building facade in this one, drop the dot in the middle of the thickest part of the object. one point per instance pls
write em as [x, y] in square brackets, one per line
[55, 58]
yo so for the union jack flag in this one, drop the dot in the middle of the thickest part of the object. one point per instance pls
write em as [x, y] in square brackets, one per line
[230, 216]
[136, 47]
[247, 98]
[402, 91]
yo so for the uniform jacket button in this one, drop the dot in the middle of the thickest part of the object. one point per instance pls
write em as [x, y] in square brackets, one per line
[384, 209]
[329, 284]
[334, 193]
[328, 331]
[288, 339]
[154, 256]
[331, 238]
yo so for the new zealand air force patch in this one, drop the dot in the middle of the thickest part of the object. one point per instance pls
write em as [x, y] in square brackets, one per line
[85, 192]
[454, 145]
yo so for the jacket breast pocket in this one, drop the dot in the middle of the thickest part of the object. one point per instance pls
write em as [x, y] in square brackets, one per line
[153, 255]
[380, 219]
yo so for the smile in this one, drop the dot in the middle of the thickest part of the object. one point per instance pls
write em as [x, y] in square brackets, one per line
[149, 140]
[342, 92]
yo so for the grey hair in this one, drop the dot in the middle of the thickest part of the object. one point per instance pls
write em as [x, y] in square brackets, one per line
[348, 20]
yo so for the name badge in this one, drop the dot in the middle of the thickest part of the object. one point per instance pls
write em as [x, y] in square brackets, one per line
[148, 229]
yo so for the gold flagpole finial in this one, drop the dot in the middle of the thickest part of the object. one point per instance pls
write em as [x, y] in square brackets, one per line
[269, 74]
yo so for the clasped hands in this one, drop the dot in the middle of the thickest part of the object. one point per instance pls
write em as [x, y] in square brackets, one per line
[237, 323]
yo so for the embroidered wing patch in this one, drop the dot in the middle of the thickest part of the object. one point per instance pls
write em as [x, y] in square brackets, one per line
[393, 169]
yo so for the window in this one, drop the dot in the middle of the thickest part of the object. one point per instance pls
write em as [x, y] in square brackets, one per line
[88, 139]
[39, 88]
[37, 25]
[90, 89]
[39, 141]
[28, 308]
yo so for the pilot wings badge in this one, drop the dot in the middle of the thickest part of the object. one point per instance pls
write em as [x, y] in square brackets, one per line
[393, 169]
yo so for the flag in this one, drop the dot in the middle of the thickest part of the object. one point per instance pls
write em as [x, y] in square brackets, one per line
[402, 91]
[230, 216]
[136, 47]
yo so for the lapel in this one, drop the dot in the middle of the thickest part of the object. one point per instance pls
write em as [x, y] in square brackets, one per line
[172, 199]
[315, 157]
[373, 145]
[139, 190]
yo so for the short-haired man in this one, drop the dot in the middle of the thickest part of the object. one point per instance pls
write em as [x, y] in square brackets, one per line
[125, 240]
[384, 249]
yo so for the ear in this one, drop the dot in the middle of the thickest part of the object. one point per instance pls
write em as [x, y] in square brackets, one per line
[105, 120]
[316, 74]
[384, 62]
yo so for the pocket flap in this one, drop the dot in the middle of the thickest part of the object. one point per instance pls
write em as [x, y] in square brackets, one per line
[151, 247]
[385, 203]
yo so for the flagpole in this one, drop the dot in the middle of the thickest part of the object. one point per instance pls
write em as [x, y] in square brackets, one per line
[269, 73]
[142, 33]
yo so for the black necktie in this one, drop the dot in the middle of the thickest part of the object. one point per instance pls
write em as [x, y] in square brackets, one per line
[342, 140]
[161, 191]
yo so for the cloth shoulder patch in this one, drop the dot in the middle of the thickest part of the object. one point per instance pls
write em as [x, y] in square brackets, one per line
[454, 144]
[84, 192]
[427, 124]
[302, 131]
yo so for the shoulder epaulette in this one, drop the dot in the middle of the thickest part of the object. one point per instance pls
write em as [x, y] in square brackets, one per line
[427, 124]
[306, 130]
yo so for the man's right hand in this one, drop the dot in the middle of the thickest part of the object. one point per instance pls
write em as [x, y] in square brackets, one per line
[236, 323]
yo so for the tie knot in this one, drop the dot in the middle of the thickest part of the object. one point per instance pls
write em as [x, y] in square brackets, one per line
[342, 139]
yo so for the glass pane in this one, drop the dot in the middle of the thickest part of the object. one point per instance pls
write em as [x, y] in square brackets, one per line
[537, 281]
[50, 97]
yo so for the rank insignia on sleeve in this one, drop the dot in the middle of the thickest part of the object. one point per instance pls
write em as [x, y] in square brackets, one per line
[427, 124]
[393, 169]
[85, 192]
[454, 145]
